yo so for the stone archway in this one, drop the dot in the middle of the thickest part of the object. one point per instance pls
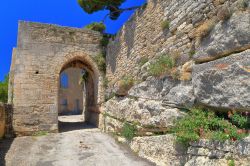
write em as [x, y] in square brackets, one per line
[43, 51]
[84, 62]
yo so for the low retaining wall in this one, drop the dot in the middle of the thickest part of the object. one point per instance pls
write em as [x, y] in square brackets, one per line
[6, 114]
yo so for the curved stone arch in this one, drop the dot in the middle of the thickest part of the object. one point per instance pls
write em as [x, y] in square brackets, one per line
[82, 60]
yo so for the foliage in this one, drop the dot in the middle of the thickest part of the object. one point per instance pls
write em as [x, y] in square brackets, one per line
[162, 66]
[243, 4]
[105, 82]
[191, 54]
[126, 82]
[91, 6]
[4, 90]
[40, 133]
[165, 25]
[201, 123]
[231, 162]
[101, 62]
[143, 60]
[239, 120]
[96, 26]
[84, 77]
[128, 131]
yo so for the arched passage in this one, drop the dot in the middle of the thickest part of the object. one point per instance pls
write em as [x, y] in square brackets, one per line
[90, 83]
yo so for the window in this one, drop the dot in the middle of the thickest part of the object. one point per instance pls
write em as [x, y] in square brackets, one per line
[64, 83]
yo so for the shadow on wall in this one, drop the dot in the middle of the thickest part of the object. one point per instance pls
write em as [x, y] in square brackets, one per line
[5, 145]
[113, 50]
[129, 35]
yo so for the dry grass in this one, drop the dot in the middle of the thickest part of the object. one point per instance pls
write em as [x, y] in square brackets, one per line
[218, 2]
[224, 14]
[204, 29]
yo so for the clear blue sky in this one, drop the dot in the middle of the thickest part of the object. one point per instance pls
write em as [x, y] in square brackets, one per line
[61, 12]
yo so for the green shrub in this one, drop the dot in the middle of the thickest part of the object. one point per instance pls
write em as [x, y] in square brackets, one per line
[165, 25]
[128, 131]
[231, 162]
[40, 133]
[201, 123]
[191, 54]
[96, 26]
[4, 90]
[126, 82]
[101, 62]
[239, 120]
[105, 39]
[162, 66]
[105, 82]
[143, 60]
[242, 4]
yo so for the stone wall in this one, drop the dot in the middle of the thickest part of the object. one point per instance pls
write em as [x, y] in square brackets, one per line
[186, 36]
[6, 117]
[42, 52]
[210, 41]
[164, 151]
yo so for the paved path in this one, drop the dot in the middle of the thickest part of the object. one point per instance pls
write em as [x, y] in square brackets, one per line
[84, 147]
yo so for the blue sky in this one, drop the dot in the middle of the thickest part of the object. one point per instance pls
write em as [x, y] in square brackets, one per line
[61, 12]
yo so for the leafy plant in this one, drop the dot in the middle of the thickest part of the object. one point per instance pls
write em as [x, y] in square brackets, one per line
[231, 162]
[201, 123]
[40, 133]
[128, 131]
[105, 82]
[243, 4]
[191, 54]
[239, 120]
[4, 90]
[125, 84]
[161, 66]
[96, 26]
[101, 62]
[143, 60]
[165, 25]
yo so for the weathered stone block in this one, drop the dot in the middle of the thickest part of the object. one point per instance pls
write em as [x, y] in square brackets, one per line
[224, 83]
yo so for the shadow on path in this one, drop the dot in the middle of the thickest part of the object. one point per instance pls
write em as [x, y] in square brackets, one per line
[70, 126]
[5, 145]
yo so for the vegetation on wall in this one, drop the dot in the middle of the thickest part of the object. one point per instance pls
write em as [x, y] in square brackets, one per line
[205, 124]
[4, 90]
[204, 29]
[128, 131]
[162, 66]
[143, 60]
[165, 25]
[125, 84]
[242, 4]
[224, 14]
[96, 26]
[101, 62]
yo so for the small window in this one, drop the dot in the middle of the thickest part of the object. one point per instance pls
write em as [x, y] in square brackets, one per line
[64, 83]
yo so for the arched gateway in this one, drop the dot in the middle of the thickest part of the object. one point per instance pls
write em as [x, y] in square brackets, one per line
[43, 52]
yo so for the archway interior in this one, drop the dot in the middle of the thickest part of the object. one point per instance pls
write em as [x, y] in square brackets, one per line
[77, 95]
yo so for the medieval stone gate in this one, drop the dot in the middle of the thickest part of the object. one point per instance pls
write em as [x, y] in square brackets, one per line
[43, 52]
